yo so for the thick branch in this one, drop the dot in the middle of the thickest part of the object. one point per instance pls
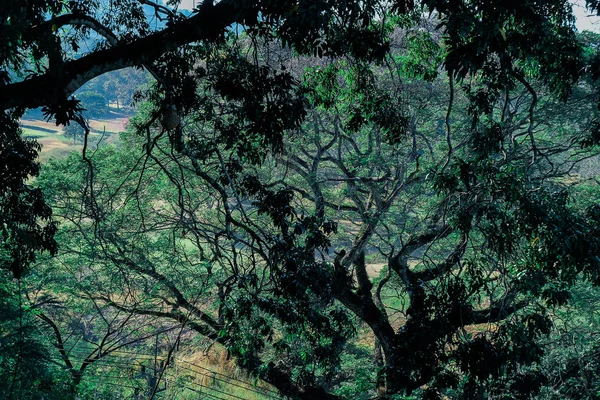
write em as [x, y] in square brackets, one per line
[363, 306]
[452, 259]
[399, 262]
[180, 317]
[75, 20]
[210, 22]
[60, 345]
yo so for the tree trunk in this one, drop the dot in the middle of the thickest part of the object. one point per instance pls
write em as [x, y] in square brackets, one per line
[380, 365]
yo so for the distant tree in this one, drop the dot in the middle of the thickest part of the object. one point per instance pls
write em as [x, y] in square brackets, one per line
[128, 82]
[74, 131]
[94, 103]
[26, 364]
[110, 90]
[119, 86]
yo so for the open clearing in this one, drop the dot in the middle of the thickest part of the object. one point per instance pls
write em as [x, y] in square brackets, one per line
[56, 145]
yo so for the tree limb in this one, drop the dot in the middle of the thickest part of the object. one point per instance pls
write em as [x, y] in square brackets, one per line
[208, 23]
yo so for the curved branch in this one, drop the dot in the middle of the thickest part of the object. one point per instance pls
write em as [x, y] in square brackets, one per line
[399, 262]
[274, 375]
[452, 259]
[181, 299]
[208, 23]
[158, 8]
[533, 104]
[175, 316]
[75, 20]
[60, 345]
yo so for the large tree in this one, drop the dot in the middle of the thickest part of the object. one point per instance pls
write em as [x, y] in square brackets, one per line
[459, 171]
[467, 219]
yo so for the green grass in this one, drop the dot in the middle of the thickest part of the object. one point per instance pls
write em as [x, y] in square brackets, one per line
[39, 129]
[37, 133]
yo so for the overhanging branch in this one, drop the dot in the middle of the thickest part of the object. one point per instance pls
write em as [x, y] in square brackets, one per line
[208, 23]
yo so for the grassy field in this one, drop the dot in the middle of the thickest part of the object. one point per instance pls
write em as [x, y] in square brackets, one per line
[55, 144]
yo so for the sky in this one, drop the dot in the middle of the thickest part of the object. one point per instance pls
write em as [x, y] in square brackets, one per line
[584, 22]
[189, 4]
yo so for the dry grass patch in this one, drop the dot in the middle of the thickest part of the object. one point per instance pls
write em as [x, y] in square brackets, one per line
[113, 125]
[55, 147]
[374, 270]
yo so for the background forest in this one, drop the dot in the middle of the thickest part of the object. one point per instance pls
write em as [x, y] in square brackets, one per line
[311, 199]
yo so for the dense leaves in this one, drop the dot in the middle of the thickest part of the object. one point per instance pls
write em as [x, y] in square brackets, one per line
[306, 177]
[24, 216]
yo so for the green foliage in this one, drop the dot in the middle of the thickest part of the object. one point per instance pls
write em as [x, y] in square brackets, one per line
[261, 105]
[423, 57]
[250, 214]
[119, 86]
[25, 363]
[25, 219]
[95, 104]
[353, 91]
[482, 38]
[74, 131]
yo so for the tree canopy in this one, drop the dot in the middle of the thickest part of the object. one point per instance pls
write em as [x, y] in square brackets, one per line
[306, 175]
